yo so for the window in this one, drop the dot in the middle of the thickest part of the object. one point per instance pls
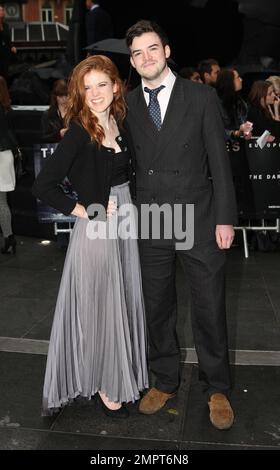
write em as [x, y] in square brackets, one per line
[47, 13]
[68, 12]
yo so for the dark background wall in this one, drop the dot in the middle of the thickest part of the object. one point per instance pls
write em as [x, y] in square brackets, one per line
[194, 33]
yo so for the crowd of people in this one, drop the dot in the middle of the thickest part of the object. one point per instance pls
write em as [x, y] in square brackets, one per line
[115, 316]
[242, 117]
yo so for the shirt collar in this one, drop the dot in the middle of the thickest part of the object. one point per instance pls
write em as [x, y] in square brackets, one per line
[168, 81]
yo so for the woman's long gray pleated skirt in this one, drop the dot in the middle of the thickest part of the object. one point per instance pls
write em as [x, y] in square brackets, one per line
[98, 338]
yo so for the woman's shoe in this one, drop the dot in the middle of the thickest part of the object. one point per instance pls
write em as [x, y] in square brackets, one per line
[120, 413]
[9, 243]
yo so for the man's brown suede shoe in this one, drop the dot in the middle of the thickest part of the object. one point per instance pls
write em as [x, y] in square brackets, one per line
[221, 413]
[153, 401]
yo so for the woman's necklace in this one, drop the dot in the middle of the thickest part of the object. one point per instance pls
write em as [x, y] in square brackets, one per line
[110, 132]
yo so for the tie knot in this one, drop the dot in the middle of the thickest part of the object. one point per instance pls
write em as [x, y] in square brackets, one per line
[153, 93]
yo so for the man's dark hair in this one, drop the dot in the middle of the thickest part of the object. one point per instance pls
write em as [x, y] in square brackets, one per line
[187, 72]
[145, 26]
[205, 66]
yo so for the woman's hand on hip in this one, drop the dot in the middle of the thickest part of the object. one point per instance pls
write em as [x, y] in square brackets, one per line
[79, 211]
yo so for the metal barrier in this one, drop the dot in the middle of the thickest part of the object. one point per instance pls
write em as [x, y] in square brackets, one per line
[261, 227]
[256, 176]
[63, 230]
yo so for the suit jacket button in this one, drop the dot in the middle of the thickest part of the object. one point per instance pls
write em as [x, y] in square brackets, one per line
[150, 172]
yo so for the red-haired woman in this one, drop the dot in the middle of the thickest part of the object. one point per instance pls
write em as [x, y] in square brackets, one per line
[98, 341]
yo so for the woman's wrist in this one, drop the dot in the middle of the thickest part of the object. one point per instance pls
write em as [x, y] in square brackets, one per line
[79, 211]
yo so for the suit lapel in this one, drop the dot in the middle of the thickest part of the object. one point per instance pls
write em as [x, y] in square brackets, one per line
[177, 109]
[139, 109]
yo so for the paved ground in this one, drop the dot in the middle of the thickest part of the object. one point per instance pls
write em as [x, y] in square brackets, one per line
[29, 283]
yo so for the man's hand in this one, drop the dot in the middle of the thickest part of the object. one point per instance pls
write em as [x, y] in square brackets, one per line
[224, 236]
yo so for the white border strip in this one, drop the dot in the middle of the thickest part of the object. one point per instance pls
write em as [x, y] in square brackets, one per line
[240, 357]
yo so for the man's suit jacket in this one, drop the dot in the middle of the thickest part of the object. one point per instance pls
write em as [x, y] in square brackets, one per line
[98, 25]
[187, 161]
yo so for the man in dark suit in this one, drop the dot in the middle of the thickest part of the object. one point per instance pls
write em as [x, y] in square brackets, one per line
[98, 23]
[181, 158]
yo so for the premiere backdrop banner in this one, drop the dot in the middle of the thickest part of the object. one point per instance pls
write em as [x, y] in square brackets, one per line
[256, 175]
[45, 213]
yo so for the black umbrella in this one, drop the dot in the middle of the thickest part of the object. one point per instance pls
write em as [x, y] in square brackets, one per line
[115, 46]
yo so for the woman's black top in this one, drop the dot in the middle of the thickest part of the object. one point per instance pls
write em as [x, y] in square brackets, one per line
[52, 123]
[8, 139]
[236, 117]
[91, 170]
[120, 168]
[262, 123]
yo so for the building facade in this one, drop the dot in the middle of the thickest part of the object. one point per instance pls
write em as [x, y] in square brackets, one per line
[46, 11]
